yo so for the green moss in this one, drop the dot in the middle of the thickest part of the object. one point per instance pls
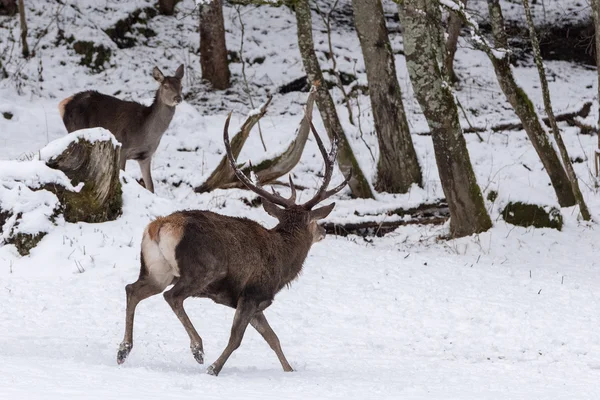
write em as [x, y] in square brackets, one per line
[524, 214]
[492, 196]
[7, 115]
[94, 57]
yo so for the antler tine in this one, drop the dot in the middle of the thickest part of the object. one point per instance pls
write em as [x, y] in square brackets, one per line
[292, 189]
[329, 158]
[273, 198]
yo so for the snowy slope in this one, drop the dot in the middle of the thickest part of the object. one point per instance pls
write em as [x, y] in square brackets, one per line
[508, 314]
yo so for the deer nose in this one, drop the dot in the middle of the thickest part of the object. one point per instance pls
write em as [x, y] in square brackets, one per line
[178, 99]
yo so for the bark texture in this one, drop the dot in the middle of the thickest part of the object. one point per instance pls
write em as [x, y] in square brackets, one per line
[167, 7]
[526, 112]
[23, 21]
[596, 13]
[213, 49]
[423, 47]
[398, 167]
[97, 166]
[548, 107]
[454, 27]
[345, 158]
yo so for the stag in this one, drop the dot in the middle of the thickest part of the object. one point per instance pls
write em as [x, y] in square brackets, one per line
[234, 261]
[139, 128]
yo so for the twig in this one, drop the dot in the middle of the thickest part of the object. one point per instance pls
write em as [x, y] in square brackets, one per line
[467, 118]
[327, 21]
[237, 9]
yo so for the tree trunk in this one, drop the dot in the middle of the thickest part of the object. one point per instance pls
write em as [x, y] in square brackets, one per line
[346, 159]
[454, 27]
[525, 111]
[398, 167]
[423, 47]
[596, 12]
[167, 7]
[548, 106]
[8, 7]
[213, 49]
[25, 47]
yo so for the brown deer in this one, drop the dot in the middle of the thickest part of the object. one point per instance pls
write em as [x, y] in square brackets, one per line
[139, 128]
[233, 261]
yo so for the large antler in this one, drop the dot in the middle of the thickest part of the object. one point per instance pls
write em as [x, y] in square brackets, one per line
[329, 158]
[272, 197]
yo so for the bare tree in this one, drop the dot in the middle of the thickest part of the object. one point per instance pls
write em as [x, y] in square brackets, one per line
[454, 27]
[167, 7]
[596, 12]
[213, 49]
[424, 50]
[548, 107]
[398, 167]
[518, 99]
[346, 159]
[23, 21]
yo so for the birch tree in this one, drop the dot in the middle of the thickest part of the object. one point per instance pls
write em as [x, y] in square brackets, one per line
[398, 167]
[424, 51]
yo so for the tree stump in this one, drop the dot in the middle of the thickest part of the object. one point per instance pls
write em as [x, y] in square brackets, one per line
[91, 158]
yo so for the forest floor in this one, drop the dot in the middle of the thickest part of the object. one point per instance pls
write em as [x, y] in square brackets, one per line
[509, 313]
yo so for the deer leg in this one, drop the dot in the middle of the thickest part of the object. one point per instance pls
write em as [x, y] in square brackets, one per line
[245, 311]
[136, 292]
[146, 167]
[175, 298]
[260, 323]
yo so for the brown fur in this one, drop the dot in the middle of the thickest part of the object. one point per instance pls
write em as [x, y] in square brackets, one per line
[173, 223]
[63, 104]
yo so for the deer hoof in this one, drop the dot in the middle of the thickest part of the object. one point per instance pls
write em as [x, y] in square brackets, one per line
[124, 349]
[198, 353]
[212, 370]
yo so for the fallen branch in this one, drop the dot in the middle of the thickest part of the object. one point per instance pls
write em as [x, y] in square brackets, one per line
[568, 117]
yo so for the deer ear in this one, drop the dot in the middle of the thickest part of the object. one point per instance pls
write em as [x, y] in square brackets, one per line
[272, 209]
[322, 212]
[179, 72]
[157, 75]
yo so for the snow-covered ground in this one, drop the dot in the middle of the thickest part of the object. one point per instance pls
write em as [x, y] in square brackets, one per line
[512, 313]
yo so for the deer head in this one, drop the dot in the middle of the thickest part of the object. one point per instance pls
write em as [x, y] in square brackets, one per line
[169, 92]
[288, 213]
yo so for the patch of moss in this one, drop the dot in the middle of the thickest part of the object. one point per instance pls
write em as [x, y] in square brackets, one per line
[94, 57]
[123, 32]
[523, 214]
[492, 196]
[8, 115]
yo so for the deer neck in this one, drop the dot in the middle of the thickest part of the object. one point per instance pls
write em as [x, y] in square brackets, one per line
[159, 117]
[295, 244]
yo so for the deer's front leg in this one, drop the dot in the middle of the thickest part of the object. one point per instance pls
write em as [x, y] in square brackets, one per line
[146, 167]
[245, 311]
[122, 159]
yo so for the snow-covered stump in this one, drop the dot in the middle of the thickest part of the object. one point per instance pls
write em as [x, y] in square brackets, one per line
[91, 158]
[75, 179]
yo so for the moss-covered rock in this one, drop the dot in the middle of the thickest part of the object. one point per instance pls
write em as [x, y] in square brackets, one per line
[523, 214]
[93, 56]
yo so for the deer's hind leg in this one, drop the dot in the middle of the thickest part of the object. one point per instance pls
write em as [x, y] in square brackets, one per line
[155, 275]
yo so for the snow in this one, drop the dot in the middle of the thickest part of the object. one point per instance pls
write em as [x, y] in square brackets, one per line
[509, 313]
[92, 135]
